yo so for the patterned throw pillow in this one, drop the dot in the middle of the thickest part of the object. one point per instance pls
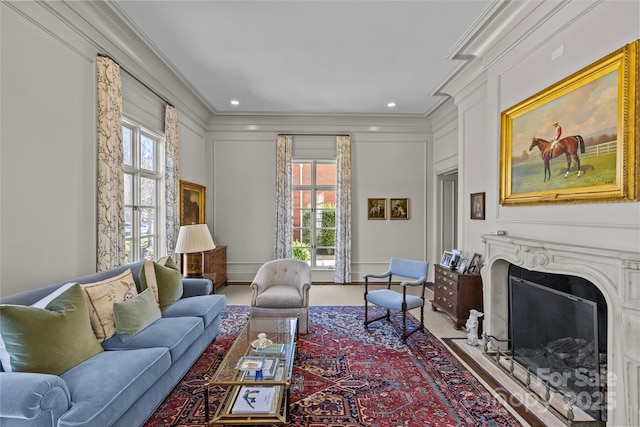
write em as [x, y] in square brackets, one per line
[102, 295]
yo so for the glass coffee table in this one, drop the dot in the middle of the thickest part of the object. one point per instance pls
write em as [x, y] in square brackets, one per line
[256, 375]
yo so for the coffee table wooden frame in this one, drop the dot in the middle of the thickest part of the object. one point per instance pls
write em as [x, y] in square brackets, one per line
[280, 331]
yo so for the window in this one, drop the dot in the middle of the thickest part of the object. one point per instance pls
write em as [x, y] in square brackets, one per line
[143, 189]
[314, 212]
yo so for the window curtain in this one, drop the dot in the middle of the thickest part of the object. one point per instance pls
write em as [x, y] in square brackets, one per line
[171, 176]
[343, 210]
[284, 202]
[110, 180]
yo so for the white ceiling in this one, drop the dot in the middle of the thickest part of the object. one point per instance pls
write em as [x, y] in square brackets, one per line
[310, 57]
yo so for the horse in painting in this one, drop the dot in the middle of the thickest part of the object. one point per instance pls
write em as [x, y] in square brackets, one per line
[567, 146]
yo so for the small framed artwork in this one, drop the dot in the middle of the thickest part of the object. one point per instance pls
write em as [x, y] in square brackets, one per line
[192, 203]
[445, 261]
[477, 205]
[399, 208]
[474, 265]
[455, 257]
[377, 209]
[462, 266]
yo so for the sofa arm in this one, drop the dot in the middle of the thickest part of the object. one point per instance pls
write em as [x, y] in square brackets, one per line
[195, 287]
[33, 396]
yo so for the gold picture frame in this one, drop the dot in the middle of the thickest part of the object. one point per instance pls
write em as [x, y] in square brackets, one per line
[399, 208]
[193, 199]
[376, 208]
[596, 109]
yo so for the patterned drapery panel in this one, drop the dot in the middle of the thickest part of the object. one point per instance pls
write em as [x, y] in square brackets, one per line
[171, 176]
[110, 180]
[343, 210]
[284, 182]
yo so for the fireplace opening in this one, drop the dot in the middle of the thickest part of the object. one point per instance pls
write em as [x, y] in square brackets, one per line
[558, 331]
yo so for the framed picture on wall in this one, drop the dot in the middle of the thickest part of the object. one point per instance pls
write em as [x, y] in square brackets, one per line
[193, 198]
[377, 208]
[399, 208]
[477, 205]
[575, 141]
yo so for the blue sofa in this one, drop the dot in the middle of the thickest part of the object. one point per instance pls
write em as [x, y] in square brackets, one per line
[123, 385]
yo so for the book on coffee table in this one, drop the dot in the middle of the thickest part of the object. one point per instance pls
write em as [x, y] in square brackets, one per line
[268, 369]
[272, 350]
[254, 400]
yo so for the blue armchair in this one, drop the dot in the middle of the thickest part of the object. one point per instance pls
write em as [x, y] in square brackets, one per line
[394, 300]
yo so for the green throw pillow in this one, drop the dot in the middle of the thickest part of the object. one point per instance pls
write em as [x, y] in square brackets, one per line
[136, 314]
[49, 340]
[164, 278]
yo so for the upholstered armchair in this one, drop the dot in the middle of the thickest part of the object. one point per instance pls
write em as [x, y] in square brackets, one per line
[281, 289]
[390, 299]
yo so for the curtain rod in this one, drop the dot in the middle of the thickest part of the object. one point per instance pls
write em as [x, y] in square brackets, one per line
[138, 80]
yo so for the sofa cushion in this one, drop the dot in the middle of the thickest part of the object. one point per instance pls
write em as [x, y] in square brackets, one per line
[102, 295]
[49, 340]
[5, 358]
[280, 296]
[206, 307]
[105, 386]
[134, 315]
[176, 334]
[164, 278]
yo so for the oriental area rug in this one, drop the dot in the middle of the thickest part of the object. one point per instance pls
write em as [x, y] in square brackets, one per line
[345, 375]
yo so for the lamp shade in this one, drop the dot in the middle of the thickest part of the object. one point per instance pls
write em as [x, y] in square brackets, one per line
[194, 238]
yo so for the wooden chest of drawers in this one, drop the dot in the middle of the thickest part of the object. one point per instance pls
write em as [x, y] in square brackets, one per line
[456, 294]
[215, 261]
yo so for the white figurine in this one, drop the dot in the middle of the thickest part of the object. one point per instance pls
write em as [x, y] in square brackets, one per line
[472, 327]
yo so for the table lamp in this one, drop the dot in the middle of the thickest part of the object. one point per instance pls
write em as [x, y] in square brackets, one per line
[194, 238]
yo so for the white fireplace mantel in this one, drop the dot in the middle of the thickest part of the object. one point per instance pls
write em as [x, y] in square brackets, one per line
[615, 273]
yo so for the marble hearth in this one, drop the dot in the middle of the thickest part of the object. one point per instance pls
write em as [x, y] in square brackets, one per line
[615, 273]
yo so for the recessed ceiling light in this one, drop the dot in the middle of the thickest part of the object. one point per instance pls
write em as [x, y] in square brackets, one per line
[391, 104]
[235, 102]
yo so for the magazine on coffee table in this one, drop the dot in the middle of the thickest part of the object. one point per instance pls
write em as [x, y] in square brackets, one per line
[254, 400]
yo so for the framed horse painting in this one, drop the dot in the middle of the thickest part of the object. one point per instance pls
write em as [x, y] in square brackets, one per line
[578, 140]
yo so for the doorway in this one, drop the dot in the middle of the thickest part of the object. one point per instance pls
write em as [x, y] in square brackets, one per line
[447, 211]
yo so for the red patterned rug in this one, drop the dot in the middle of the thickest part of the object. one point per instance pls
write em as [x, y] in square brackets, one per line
[345, 375]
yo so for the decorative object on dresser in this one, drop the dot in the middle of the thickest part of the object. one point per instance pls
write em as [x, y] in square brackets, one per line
[445, 261]
[474, 265]
[194, 238]
[456, 294]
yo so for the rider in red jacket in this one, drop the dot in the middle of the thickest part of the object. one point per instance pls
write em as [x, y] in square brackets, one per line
[556, 137]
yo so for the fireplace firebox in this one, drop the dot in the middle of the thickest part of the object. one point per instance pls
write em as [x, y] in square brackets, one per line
[557, 331]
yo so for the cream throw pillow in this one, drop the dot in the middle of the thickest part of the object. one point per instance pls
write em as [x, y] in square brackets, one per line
[100, 298]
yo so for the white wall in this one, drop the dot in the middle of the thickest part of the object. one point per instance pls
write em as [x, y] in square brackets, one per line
[388, 160]
[48, 134]
[510, 68]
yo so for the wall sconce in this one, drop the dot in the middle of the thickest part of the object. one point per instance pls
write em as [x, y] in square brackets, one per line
[194, 238]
